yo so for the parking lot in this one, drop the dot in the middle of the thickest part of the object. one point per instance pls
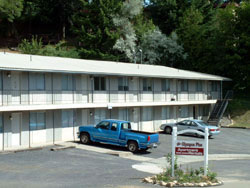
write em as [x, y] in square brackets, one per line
[84, 168]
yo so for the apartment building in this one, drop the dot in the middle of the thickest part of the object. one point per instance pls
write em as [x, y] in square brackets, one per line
[43, 100]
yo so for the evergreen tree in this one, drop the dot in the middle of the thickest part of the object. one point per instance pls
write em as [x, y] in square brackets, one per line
[95, 31]
[166, 13]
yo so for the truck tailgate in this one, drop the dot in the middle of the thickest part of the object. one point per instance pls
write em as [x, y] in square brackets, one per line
[154, 138]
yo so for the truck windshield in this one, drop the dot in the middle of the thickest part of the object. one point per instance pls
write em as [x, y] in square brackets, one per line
[126, 126]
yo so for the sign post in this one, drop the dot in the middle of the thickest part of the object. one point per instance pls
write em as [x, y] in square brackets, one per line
[195, 148]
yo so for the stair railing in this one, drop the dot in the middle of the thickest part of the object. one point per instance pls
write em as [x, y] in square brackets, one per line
[224, 104]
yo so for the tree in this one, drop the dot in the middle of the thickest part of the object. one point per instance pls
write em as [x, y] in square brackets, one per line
[94, 29]
[233, 43]
[166, 13]
[10, 9]
[127, 41]
[47, 13]
[162, 50]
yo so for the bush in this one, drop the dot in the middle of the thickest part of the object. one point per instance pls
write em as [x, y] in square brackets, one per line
[188, 176]
[35, 47]
[32, 47]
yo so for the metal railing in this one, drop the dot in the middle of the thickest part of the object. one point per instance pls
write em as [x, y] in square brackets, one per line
[33, 97]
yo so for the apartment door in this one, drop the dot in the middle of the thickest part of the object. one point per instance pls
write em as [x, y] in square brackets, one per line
[15, 88]
[194, 113]
[16, 129]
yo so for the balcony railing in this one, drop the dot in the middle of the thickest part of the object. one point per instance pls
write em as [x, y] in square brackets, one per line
[30, 97]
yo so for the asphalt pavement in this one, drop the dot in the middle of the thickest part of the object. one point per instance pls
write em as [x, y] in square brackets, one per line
[100, 165]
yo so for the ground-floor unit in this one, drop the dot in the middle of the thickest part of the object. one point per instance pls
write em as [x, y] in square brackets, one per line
[37, 128]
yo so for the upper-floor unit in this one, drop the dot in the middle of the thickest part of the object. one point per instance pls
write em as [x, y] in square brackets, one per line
[52, 81]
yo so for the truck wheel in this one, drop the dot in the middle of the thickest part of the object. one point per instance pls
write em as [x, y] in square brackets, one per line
[84, 138]
[133, 146]
[168, 130]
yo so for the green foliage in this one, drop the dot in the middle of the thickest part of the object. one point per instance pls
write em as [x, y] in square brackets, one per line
[32, 47]
[188, 176]
[10, 9]
[36, 47]
[166, 13]
[94, 29]
[162, 50]
[123, 20]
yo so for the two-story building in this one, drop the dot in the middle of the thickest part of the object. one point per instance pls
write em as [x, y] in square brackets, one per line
[43, 100]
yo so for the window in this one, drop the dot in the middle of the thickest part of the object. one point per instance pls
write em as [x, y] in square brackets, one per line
[147, 114]
[37, 120]
[126, 126]
[67, 118]
[193, 124]
[100, 114]
[114, 126]
[214, 86]
[123, 84]
[165, 113]
[185, 123]
[67, 82]
[184, 85]
[147, 84]
[103, 125]
[123, 113]
[99, 84]
[165, 85]
[199, 85]
[184, 111]
[37, 81]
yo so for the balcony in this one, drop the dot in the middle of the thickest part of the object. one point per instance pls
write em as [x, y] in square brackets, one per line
[46, 97]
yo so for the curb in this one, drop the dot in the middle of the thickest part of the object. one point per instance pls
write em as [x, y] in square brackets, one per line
[21, 150]
[62, 148]
[235, 127]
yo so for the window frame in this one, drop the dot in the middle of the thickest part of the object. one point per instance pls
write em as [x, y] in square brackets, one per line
[165, 85]
[183, 108]
[34, 77]
[69, 80]
[147, 84]
[123, 84]
[184, 85]
[199, 85]
[70, 120]
[99, 83]
[37, 126]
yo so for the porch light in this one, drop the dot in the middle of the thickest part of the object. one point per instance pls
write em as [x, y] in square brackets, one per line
[8, 74]
[10, 118]
[91, 113]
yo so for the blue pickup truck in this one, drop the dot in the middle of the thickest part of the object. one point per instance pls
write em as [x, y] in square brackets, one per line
[118, 132]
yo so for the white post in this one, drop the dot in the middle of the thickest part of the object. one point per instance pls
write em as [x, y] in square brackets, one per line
[174, 133]
[206, 152]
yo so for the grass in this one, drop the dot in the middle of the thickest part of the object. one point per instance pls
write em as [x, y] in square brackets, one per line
[188, 176]
[239, 110]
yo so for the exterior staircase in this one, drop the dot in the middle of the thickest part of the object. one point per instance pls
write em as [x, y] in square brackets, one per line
[219, 109]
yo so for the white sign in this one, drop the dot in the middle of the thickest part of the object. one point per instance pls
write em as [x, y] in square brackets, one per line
[180, 147]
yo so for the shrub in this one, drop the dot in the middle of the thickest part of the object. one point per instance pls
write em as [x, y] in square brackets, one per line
[32, 47]
[35, 47]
